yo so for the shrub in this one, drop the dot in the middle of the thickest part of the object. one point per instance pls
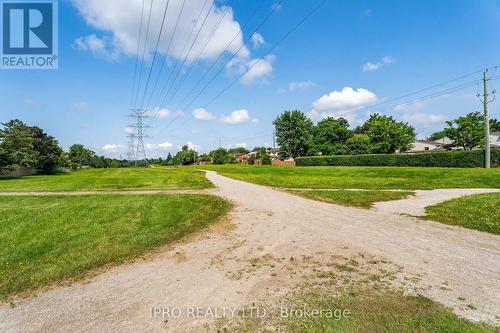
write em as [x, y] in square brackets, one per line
[456, 159]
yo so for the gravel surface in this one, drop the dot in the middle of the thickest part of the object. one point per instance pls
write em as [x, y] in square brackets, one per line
[457, 267]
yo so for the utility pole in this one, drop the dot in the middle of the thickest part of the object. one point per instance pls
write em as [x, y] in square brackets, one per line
[140, 152]
[274, 139]
[486, 101]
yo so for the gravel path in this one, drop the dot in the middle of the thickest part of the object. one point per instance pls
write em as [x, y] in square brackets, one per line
[415, 205]
[213, 270]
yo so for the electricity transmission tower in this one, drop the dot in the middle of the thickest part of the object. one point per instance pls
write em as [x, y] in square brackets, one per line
[138, 137]
[485, 99]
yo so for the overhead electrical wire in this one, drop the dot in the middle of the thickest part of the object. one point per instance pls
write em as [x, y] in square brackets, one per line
[155, 52]
[134, 80]
[143, 53]
[293, 29]
[274, 8]
[166, 54]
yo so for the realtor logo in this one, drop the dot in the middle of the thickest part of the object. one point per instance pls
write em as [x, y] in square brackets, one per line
[29, 34]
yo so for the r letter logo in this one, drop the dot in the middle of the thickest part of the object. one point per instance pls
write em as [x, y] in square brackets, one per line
[29, 34]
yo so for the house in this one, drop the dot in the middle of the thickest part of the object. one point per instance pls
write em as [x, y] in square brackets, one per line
[424, 146]
[495, 139]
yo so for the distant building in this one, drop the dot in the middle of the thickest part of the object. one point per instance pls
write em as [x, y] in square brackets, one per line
[495, 139]
[425, 146]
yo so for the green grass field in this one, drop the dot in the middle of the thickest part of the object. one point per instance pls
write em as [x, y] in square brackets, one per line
[361, 199]
[373, 178]
[110, 179]
[383, 312]
[49, 239]
[480, 212]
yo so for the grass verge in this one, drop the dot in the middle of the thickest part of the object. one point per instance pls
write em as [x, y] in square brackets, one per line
[50, 239]
[375, 311]
[374, 178]
[361, 199]
[109, 179]
[480, 212]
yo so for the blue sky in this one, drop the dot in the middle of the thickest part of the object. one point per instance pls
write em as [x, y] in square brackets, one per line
[346, 58]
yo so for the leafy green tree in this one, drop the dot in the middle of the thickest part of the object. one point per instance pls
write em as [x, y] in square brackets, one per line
[80, 156]
[17, 142]
[50, 154]
[237, 151]
[330, 136]
[386, 135]
[437, 136]
[185, 157]
[466, 131]
[293, 133]
[219, 156]
[494, 125]
[358, 144]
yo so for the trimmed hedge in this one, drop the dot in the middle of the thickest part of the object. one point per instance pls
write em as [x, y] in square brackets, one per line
[454, 159]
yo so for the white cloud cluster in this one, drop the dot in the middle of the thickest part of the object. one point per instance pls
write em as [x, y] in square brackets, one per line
[345, 103]
[112, 148]
[302, 85]
[257, 40]
[191, 146]
[120, 21]
[370, 67]
[256, 69]
[237, 117]
[202, 114]
[100, 47]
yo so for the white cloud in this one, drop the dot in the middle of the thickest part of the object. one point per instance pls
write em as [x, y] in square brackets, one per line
[100, 47]
[424, 119]
[369, 66]
[257, 69]
[241, 145]
[81, 105]
[237, 117]
[165, 145]
[191, 146]
[202, 114]
[129, 130]
[302, 85]
[257, 40]
[112, 148]
[120, 20]
[162, 113]
[345, 104]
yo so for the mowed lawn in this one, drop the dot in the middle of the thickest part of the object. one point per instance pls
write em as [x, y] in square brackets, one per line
[374, 178]
[110, 179]
[361, 199]
[480, 212]
[57, 238]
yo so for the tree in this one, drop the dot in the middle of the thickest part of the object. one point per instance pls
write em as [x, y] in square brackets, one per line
[17, 144]
[219, 156]
[293, 133]
[494, 125]
[386, 135]
[358, 144]
[80, 156]
[437, 136]
[50, 154]
[185, 157]
[466, 131]
[330, 136]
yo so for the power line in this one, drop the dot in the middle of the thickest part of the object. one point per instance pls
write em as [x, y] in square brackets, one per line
[212, 33]
[188, 53]
[137, 56]
[182, 52]
[144, 51]
[155, 53]
[222, 53]
[430, 96]
[309, 14]
[166, 54]
[274, 8]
